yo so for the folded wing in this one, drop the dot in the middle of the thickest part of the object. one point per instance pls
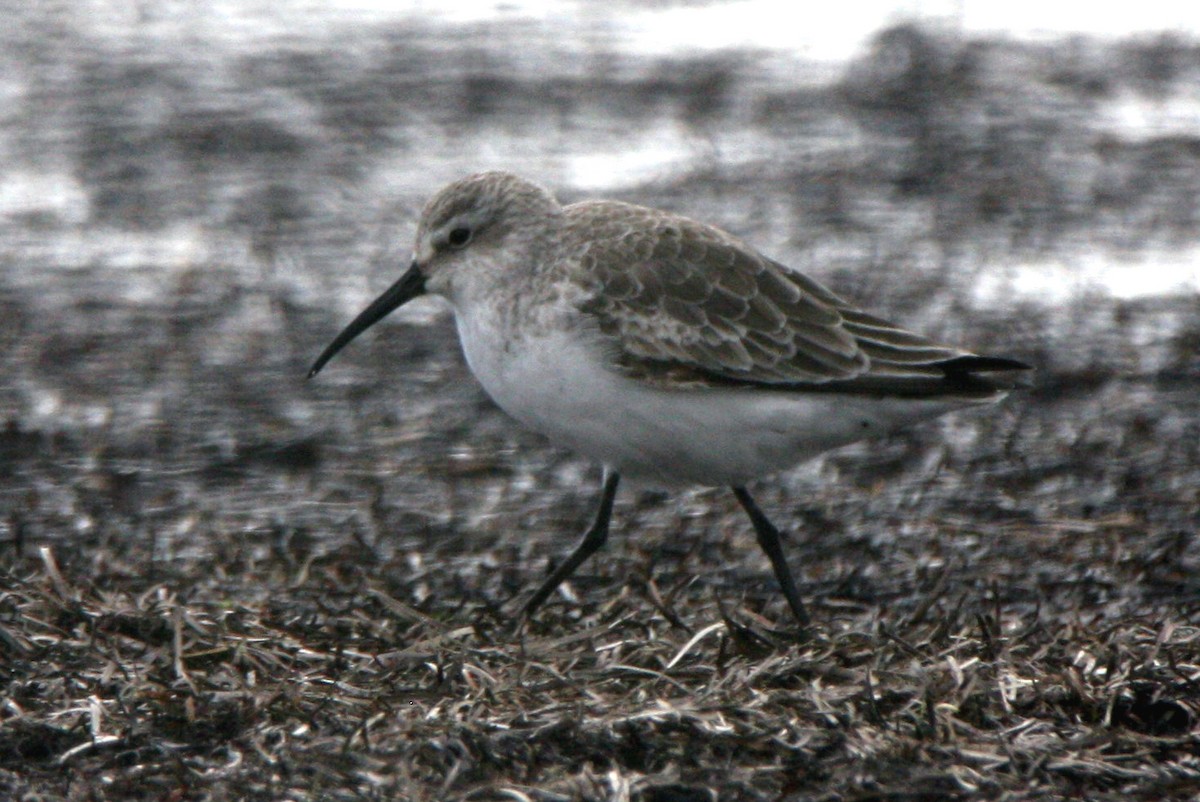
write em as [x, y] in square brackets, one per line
[686, 303]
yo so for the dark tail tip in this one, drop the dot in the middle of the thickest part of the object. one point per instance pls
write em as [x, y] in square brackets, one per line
[981, 364]
[987, 372]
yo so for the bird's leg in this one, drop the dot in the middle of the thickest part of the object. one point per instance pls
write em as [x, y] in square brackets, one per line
[768, 539]
[592, 540]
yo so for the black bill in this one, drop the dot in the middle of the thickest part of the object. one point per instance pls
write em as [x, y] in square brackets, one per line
[410, 285]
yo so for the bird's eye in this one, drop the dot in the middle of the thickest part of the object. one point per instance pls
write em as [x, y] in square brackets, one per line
[459, 237]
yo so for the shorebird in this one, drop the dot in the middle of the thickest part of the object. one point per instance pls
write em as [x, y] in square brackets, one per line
[666, 349]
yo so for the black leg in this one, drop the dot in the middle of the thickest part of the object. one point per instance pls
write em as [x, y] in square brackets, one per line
[768, 539]
[592, 540]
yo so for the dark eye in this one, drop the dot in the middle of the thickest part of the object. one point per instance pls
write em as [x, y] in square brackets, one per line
[459, 237]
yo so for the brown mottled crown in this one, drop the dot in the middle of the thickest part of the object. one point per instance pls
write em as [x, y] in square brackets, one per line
[500, 198]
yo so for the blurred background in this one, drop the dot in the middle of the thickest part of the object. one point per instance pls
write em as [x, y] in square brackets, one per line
[195, 197]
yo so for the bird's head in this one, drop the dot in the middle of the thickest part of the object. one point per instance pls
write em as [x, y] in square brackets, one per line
[466, 230]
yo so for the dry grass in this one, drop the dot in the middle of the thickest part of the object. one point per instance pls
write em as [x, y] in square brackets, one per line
[311, 685]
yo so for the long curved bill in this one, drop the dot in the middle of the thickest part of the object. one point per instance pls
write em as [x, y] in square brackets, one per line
[410, 285]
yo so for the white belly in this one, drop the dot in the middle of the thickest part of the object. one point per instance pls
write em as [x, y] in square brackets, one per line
[559, 385]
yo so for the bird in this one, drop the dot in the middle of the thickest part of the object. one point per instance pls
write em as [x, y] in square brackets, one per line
[669, 351]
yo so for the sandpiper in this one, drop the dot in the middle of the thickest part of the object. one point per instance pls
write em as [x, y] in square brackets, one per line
[664, 348]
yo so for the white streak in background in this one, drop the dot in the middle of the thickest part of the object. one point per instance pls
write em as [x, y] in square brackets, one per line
[1136, 117]
[1039, 18]
[1056, 280]
[659, 152]
[57, 194]
[839, 32]
[821, 33]
[757, 24]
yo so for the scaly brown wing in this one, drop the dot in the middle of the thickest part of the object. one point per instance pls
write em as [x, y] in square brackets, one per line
[687, 302]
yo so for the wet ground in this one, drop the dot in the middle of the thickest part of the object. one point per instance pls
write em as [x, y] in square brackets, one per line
[222, 581]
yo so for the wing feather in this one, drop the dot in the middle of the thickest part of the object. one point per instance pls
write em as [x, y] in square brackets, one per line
[678, 299]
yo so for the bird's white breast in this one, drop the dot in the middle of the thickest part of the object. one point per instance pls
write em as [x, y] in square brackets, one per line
[557, 381]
